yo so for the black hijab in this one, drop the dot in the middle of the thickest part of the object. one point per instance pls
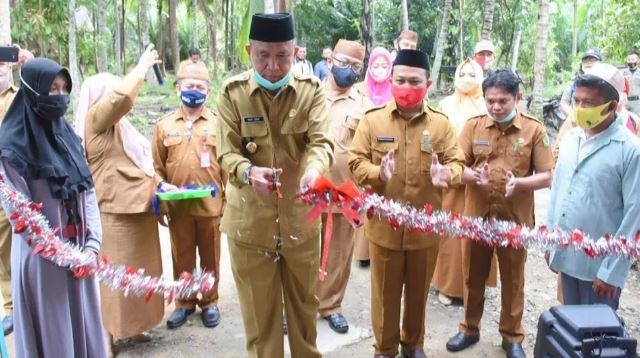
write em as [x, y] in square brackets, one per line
[36, 139]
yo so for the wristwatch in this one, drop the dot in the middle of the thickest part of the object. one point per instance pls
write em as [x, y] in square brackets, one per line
[160, 183]
[245, 175]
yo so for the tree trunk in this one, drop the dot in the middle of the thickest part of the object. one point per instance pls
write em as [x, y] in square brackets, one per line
[73, 58]
[516, 50]
[487, 23]
[5, 23]
[173, 35]
[102, 61]
[196, 39]
[367, 35]
[269, 7]
[461, 31]
[144, 22]
[284, 6]
[442, 38]
[574, 43]
[405, 15]
[160, 45]
[123, 36]
[210, 20]
[117, 46]
[540, 57]
[227, 36]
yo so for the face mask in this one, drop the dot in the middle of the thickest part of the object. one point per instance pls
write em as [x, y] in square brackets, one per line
[408, 97]
[632, 66]
[588, 118]
[465, 84]
[484, 61]
[506, 119]
[270, 86]
[193, 98]
[380, 74]
[52, 107]
[344, 77]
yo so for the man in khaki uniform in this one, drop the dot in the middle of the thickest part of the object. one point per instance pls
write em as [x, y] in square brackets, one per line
[396, 150]
[7, 93]
[273, 141]
[184, 152]
[346, 108]
[508, 157]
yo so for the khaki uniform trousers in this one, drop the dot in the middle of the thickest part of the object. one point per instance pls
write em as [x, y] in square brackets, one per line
[5, 262]
[391, 271]
[361, 249]
[331, 290]
[477, 264]
[188, 235]
[263, 279]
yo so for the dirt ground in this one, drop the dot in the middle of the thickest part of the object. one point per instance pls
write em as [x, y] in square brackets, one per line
[227, 340]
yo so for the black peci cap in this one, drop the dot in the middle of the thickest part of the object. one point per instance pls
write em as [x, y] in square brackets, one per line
[412, 58]
[272, 27]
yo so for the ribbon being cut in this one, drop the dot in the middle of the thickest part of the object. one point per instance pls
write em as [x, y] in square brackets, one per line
[352, 202]
[27, 219]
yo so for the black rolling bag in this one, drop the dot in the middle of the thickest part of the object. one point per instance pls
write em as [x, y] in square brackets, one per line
[581, 332]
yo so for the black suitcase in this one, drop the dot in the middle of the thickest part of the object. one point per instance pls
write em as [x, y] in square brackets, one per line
[583, 331]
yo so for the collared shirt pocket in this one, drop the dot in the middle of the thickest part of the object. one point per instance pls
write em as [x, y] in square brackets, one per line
[482, 150]
[380, 149]
[427, 153]
[519, 156]
[253, 126]
[171, 141]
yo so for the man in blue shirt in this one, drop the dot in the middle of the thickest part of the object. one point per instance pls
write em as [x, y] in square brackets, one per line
[322, 68]
[595, 189]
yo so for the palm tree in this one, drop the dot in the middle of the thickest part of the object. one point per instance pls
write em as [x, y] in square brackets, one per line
[442, 38]
[540, 57]
[405, 15]
[73, 54]
[365, 26]
[5, 22]
[173, 35]
[487, 23]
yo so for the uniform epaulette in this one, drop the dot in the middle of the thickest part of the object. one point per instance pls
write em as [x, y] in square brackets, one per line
[373, 109]
[477, 117]
[310, 78]
[528, 116]
[166, 115]
[241, 77]
[436, 111]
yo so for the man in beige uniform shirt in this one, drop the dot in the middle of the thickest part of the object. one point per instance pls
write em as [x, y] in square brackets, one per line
[346, 108]
[184, 152]
[273, 141]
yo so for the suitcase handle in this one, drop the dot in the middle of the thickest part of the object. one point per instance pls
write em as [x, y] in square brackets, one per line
[593, 347]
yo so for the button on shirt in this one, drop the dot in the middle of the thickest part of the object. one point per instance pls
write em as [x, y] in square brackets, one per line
[597, 194]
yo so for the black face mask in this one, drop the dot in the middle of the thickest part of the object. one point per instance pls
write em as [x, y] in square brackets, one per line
[52, 107]
[344, 77]
[632, 66]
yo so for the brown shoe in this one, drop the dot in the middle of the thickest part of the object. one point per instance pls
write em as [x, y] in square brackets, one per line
[412, 353]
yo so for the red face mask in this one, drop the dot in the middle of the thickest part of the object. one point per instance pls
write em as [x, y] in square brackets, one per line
[408, 97]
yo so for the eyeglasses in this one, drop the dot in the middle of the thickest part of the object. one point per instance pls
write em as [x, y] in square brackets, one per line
[356, 67]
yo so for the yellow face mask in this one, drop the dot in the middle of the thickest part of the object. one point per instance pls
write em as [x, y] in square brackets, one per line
[588, 118]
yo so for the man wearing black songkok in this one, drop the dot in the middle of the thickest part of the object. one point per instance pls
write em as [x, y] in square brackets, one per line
[397, 151]
[273, 141]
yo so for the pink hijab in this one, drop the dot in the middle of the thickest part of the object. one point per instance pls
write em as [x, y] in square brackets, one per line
[379, 92]
[136, 147]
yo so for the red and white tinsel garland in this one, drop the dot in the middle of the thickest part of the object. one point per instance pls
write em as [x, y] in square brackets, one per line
[493, 233]
[27, 219]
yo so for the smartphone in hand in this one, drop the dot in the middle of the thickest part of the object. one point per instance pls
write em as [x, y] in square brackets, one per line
[9, 53]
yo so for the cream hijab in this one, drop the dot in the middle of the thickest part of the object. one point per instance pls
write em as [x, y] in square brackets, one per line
[136, 147]
[467, 100]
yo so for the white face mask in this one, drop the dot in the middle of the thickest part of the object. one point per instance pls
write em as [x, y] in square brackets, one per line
[380, 74]
[5, 81]
[465, 84]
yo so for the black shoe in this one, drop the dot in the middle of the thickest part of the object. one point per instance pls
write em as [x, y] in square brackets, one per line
[412, 353]
[337, 322]
[461, 341]
[7, 325]
[285, 327]
[210, 317]
[514, 350]
[364, 263]
[179, 317]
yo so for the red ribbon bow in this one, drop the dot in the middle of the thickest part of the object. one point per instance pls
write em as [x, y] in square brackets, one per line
[345, 196]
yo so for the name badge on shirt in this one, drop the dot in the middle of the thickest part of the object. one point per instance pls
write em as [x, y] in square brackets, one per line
[253, 120]
[384, 139]
[205, 159]
[481, 143]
